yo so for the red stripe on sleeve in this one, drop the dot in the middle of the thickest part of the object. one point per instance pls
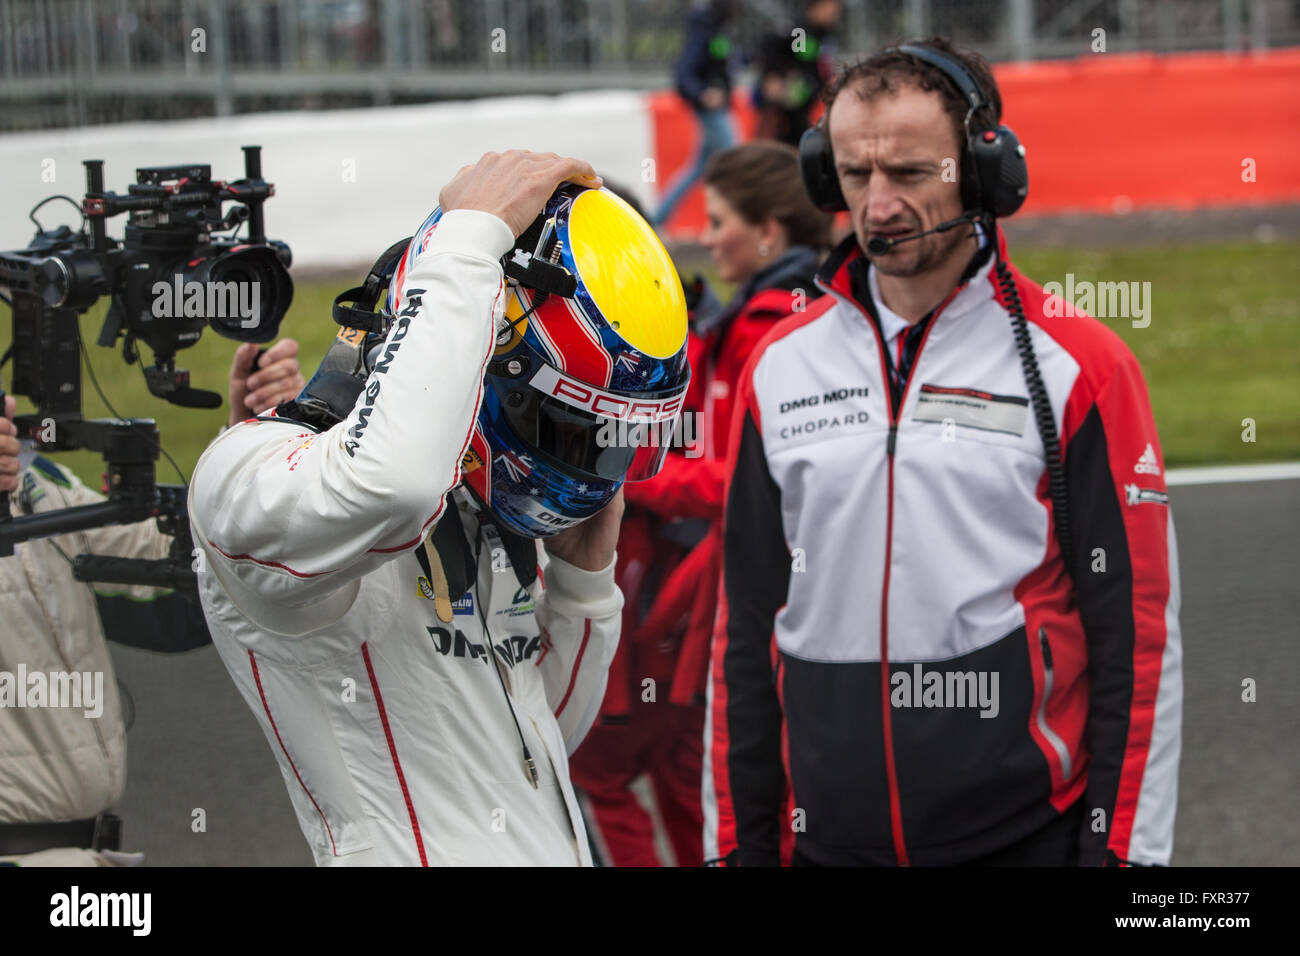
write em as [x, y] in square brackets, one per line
[577, 663]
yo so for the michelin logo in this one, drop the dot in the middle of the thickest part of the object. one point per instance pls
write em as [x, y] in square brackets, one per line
[1133, 495]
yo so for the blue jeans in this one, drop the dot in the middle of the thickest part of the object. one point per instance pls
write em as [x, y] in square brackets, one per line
[715, 135]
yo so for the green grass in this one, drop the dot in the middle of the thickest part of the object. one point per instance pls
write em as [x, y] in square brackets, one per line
[1223, 345]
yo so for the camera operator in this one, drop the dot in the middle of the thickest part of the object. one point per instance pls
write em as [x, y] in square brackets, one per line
[374, 586]
[62, 769]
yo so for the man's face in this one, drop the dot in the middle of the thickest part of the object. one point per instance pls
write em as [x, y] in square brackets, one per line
[890, 153]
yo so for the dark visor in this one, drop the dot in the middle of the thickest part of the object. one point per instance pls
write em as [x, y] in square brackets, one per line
[582, 443]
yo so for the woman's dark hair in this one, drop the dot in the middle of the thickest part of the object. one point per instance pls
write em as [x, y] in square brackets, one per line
[761, 180]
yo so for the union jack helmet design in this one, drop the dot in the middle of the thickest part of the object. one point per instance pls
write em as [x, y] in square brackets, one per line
[584, 387]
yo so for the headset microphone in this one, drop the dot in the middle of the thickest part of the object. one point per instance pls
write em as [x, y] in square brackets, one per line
[879, 245]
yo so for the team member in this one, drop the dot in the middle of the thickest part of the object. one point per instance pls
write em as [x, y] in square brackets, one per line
[977, 651]
[419, 680]
[62, 771]
[766, 239]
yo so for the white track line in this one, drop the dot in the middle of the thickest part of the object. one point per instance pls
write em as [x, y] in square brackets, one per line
[1231, 474]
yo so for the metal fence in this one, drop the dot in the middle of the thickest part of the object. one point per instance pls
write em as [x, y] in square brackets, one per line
[70, 62]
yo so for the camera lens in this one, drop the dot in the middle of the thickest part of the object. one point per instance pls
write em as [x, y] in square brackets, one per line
[258, 291]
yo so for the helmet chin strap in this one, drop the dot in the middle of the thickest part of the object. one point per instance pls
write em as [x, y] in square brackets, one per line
[521, 551]
[438, 578]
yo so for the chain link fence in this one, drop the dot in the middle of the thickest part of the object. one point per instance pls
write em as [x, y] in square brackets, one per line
[73, 62]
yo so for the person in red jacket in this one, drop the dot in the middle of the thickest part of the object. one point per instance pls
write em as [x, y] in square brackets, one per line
[766, 238]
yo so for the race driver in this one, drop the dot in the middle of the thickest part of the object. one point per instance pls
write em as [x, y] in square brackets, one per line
[374, 587]
[909, 638]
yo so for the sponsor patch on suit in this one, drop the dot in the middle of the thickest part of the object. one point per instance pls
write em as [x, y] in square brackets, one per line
[971, 407]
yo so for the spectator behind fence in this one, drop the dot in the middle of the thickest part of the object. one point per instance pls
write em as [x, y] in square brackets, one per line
[63, 768]
[766, 238]
[703, 75]
[794, 67]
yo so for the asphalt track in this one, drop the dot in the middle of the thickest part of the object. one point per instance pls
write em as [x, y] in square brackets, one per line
[193, 744]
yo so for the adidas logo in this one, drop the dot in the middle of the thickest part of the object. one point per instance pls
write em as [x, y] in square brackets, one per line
[1147, 464]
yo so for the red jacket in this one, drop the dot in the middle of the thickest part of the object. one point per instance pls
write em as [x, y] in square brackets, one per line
[685, 593]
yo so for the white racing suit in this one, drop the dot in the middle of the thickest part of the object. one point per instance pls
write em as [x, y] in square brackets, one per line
[398, 740]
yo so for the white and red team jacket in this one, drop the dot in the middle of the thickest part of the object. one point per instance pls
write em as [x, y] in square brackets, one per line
[903, 670]
[391, 727]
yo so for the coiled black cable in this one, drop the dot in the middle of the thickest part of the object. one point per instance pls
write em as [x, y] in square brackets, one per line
[1042, 413]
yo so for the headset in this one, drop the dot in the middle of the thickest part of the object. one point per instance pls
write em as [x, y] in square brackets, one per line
[994, 175]
[994, 183]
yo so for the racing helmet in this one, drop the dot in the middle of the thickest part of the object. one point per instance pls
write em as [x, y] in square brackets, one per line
[587, 378]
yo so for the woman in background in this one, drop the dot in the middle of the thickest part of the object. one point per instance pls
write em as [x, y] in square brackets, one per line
[766, 239]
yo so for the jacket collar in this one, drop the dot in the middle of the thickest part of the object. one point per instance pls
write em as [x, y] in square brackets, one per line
[845, 272]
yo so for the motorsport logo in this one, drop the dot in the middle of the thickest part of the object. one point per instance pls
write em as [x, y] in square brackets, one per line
[83, 690]
[521, 605]
[971, 407]
[946, 689]
[462, 605]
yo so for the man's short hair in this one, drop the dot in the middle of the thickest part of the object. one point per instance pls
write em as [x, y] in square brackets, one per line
[888, 70]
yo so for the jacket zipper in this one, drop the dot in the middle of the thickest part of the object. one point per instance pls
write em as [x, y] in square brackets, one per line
[891, 445]
[1062, 753]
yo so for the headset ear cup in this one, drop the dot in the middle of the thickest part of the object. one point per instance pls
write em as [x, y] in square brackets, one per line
[971, 193]
[1002, 170]
[817, 166]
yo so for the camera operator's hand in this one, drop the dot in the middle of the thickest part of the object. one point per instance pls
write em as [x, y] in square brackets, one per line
[513, 185]
[590, 545]
[8, 447]
[277, 379]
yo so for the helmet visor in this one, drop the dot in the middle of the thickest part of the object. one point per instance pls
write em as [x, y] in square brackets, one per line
[579, 441]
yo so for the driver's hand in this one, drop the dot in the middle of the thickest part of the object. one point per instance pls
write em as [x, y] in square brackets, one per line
[514, 185]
